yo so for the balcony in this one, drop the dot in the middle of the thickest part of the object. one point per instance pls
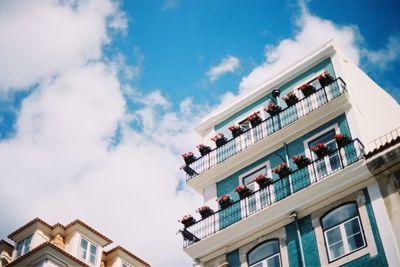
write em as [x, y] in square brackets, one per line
[269, 126]
[317, 171]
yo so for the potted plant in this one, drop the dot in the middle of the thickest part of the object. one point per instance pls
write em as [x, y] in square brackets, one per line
[282, 170]
[224, 201]
[307, 89]
[187, 220]
[301, 161]
[243, 191]
[290, 99]
[236, 130]
[321, 150]
[325, 79]
[341, 139]
[188, 158]
[273, 109]
[204, 150]
[254, 119]
[205, 211]
[263, 181]
[219, 139]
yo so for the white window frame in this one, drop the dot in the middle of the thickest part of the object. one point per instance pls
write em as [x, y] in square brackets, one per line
[88, 253]
[309, 154]
[344, 238]
[270, 190]
[124, 264]
[25, 246]
[264, 261]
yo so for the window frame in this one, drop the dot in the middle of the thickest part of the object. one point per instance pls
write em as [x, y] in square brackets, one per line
[25, 248]
[268, 257]
[271, 194]
[88, 251]
[341, 225]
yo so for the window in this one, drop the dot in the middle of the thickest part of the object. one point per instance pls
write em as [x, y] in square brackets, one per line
[342, 231]
[261, 198]
[124, 264]
[327, 164]
[88, 251]
[23, 246]
[266, 254]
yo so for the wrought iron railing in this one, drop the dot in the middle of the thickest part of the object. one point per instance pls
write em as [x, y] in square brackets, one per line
[267, 127]
[383, 141]
[281, 188]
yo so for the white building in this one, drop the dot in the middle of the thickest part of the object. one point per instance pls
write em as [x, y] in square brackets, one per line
[40, 244]
[334, 201]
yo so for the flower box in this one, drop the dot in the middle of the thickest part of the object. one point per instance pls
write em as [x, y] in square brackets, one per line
[290, 99]
[236, 130]
[263, 181]
[224, 201]
[325, 79]
[254, 119]
[219, 139]
[187, 221]
[189, 158]
[204, 150]
[301, 161]
[341, 140]
[243, 191]
[307, 89]
[321, 150]
[282, 170]
[273, 109]
[205, 211]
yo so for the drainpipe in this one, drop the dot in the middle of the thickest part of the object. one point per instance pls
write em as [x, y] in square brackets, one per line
[287, 162]
[294, 215]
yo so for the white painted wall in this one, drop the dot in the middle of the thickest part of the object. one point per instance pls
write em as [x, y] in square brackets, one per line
[375, 111]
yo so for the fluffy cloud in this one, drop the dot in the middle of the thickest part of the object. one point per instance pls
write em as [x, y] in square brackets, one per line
[39, 39]
[74, 153]
[169, 5]
[312, 32]
[227, 64]
[381, 58]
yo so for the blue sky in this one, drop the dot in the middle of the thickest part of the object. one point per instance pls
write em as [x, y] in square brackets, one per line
[99, 98]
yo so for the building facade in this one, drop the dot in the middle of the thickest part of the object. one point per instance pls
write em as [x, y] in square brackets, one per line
[40, 244]
[304, 172]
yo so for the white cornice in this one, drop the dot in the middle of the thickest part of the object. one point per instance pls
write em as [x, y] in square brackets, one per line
[326, 50]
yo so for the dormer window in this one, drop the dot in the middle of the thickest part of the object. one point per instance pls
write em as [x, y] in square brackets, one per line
[88, 251]
[124, 264]
[23, 246]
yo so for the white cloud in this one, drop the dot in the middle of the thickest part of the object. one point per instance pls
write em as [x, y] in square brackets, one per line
[60, 165]
[227, 64]
[41, 38]
[381, 58]
[169, 5]
[312, 32]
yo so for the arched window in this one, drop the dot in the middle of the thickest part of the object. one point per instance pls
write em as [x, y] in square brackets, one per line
[266, 254]
[342, 231]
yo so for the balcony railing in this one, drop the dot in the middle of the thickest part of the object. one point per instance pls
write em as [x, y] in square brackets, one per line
[267, 127]
[281, 188]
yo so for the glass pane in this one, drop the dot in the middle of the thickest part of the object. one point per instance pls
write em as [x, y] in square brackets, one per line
[274, 261]
[352, 227]
[92, 259]
[263, 251]
[93, 249]
[333, 236]
[339, 215]
[82, 253]
[336, 250]
[325, 138]
[320, 167]
[260, 264]
[20, 245]
[334, 161]
[249, 178]
[355, 241]
[252, 204]
[84, 244]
